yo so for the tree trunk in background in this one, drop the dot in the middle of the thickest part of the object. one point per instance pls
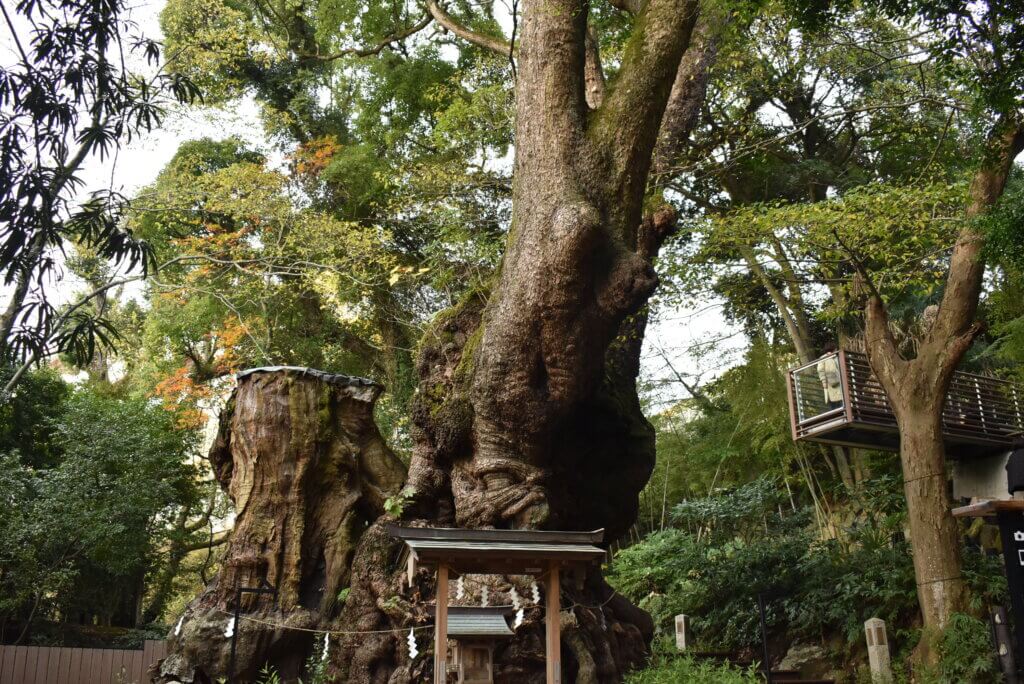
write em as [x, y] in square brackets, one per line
[302, 460]
[916, 389]
[527, 413]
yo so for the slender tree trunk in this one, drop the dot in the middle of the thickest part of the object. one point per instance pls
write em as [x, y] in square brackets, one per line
[916, 389]
[933, 531]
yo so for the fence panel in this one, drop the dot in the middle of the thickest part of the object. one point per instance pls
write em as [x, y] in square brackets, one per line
[44, 665]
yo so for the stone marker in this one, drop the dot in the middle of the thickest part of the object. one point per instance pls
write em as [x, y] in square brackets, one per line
[682, 632]
[878, 651]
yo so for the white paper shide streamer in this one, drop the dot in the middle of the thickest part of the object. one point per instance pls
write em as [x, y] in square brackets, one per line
[230, 630]
[536, 592]
[484, 596]
[177, 627]
[460, 588]
[327, 645]
[413, 652]
[519, 619]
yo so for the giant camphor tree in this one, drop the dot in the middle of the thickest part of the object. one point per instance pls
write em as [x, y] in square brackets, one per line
[527, 413]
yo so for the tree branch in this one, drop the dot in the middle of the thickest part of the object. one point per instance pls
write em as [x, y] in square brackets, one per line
[966, 266]
[687, 96]
[210, 543]
[628, 122]
[479, 39]
[631, 6]
[593, 71]
[783, 305]
[371, 50]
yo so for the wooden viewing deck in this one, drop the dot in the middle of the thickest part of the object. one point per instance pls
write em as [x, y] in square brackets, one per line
[982, 415]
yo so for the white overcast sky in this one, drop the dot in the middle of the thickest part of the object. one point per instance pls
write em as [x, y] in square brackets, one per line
[676, 340]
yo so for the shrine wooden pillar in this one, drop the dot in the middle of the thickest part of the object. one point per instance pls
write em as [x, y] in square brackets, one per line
[441, 626]
[552, 623]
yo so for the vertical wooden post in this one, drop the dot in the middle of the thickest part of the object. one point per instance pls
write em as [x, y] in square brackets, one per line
[441, 626]
[553, 624]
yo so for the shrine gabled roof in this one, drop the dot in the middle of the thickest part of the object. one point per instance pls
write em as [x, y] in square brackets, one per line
[470, 621]
[508, 551]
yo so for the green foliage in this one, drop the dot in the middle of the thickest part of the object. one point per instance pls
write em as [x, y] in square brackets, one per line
[737, 430]
[25, 427]
[68, 101]
[896, 233]
[668, 669]
[1004, 226]
[966, 653]
[97, 517]
[731, 515]
[268, 675]
[395, 505]
[744, 547]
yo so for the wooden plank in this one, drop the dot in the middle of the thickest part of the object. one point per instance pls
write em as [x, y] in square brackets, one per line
[138, 668]
[94, 662]
[20, 660]
[115, 665]
[75, 668]
[791, 398]
[553, 626]
[153, 650]
[147, 653]
[63, 664]
[7, 664]
[32, 665]
[119, 670]
[106, 660]
[988, 508]
[844, 383]
[43, 666]
[57, 656]
[441, 626]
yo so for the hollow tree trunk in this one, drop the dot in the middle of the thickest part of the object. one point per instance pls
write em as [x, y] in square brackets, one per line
[916, 389]
[527, 412]
[302, 460]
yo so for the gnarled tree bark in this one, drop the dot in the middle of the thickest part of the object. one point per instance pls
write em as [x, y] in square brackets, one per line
[527, 412]
[302, 460]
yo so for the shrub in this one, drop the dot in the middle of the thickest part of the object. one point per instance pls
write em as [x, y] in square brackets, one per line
[965, 652]
[667, 667]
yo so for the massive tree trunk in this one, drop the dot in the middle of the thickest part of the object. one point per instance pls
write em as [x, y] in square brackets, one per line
[917, 387]
[302, 460]
[527, 412]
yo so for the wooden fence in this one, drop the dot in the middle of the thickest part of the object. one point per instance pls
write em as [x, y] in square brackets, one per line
[44, 665]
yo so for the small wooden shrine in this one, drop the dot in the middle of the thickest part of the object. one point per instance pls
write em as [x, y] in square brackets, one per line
[544, 554]
[836, 399]
[472, 633]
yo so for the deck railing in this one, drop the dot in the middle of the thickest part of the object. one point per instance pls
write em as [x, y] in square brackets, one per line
[978, 409]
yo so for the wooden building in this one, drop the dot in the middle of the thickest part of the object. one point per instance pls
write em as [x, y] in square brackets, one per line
[837, 400]
[544, 554]
[472, 633]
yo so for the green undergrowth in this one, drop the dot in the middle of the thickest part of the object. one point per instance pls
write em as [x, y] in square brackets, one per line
[727, 549]
[667, 667]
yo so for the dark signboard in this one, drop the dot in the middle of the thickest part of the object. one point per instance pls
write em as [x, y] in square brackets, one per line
[1011, 529]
